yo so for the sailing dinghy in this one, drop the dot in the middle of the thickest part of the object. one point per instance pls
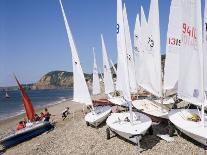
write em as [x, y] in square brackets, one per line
[7, 95]
[191, 122]
[129, 125]
[80, 90]
[108, 81]
[32, 129]
[148, 61]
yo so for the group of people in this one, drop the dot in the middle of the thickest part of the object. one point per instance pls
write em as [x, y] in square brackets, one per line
[43, 117]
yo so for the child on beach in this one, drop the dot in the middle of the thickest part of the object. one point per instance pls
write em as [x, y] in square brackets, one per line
[65, 113]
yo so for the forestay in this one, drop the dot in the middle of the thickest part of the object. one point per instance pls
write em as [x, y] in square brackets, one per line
[108, 81]
[190, 81]
[80, 89]
[96, 81]
[173, 44]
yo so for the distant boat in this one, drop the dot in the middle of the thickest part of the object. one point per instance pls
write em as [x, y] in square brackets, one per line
[32, 129]
[7, 95]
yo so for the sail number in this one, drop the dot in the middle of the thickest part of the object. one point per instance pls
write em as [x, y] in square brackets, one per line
[117, 28]
[191, 31]
[174, 41]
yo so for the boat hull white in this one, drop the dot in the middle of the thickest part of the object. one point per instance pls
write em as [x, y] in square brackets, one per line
[97, 116]
[117, 123]
[118, 100]
[151, 108]
[195, 130]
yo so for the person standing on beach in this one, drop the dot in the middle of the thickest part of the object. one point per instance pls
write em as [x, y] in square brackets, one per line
[47, 115]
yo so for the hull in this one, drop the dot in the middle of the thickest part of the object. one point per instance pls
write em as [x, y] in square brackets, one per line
[194, 130]
[118, 100]
[141, 123]
[151, 108]
[26, 134]
[98, 116]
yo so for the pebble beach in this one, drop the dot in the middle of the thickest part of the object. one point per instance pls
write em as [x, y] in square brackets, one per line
[73, 137]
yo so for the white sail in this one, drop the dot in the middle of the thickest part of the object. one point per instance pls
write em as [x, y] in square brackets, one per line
[108, 81]
[205, 45]
[122, 72]
[80, 89]
[137, 49]
[96, 81]
[129, 51]
[112, 64]
[172, 47]
[151, 77]
[190, 81]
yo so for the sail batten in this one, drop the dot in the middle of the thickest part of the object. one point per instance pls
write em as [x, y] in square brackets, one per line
[80, 89]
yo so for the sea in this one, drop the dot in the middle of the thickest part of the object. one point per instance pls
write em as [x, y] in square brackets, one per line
[13, 106]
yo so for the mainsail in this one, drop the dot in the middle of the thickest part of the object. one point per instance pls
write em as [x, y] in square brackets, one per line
[80, 89]
[122, 72]
[108, 81]
[26, 101]
[190, 80]
[137, 49]
[205, 46]
[96, 81]
[172, 47]
[129, 52]
[150, 79]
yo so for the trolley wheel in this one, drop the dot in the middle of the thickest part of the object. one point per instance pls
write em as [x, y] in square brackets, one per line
[87, 124]
[150, 131]
[108, 133]
[171, 129]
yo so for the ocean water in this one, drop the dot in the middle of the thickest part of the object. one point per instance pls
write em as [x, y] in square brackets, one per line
[13, 106]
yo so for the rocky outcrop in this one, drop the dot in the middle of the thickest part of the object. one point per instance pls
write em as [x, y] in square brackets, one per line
[57, 79]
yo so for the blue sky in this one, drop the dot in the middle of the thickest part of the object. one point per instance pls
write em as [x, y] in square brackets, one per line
[33, 39]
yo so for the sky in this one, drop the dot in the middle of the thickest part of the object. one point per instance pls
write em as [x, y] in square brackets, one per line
[33, 39]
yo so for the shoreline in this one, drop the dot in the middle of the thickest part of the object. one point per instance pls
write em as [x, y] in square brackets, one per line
[8, 125]
[38, 107]
[72, 136]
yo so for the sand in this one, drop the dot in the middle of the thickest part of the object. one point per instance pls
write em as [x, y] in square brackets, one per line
[73, 137]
